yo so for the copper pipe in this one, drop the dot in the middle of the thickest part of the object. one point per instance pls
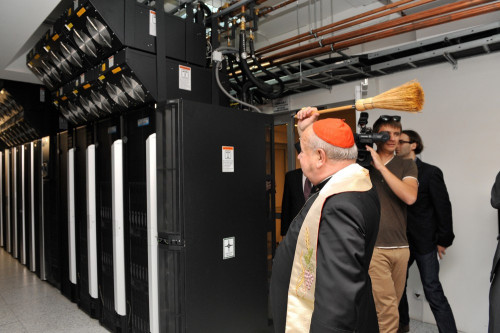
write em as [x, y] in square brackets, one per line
[378, 27]
[267, 10]
[338, 26]
[371, 12]
[449, 17]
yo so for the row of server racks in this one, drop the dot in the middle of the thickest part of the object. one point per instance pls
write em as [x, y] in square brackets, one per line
[151, 221]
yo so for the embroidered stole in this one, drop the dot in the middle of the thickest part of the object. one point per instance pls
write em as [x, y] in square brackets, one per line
[300, 306]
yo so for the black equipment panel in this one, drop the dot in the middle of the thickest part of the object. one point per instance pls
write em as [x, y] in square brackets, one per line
[199, 208]
[80, 145]
[37, 203]
[139, 125]
[107, 131]
[28, 245]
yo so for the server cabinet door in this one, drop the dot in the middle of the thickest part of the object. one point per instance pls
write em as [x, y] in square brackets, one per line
[140, 125]
[7, 209]
[15, 238]
[212, 219]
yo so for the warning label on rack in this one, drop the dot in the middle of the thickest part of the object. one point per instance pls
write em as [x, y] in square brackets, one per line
[184, 77]
[227, 159]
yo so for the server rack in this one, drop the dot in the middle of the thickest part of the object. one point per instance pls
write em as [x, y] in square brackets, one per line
[2, 203]
[51, 245]
[22, 205]
[36, 204]
[92, 227]
[14, 182]
[139, 126]
[64, 141]
[211, 219]
[110, 220]
[29, 236]
[80, 215]
[8, 223]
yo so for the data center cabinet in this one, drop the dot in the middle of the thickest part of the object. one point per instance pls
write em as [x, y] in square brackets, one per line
[211, 219]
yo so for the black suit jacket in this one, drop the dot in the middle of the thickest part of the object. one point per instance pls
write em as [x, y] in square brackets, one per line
[429, 218]
[293, 198]
[343, 296]
[495, 202]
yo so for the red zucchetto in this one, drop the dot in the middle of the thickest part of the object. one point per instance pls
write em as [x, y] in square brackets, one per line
[334, 131]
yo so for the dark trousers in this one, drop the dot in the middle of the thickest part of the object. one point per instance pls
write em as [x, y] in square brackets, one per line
[428, 266]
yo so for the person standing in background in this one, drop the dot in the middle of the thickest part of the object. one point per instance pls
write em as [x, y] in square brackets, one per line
[494, 323]
[430, 232]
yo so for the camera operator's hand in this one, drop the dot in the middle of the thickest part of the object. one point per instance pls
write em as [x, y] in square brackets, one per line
[306, 117]
[376, 160]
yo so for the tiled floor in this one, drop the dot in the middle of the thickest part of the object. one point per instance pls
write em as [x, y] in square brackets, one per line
[28, 304]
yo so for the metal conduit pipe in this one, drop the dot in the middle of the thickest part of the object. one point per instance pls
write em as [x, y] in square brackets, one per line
[311, 33]
[337, 26]
[446, 18]
[445, 9]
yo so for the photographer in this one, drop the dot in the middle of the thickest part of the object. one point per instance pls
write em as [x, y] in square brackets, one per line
[395, 180]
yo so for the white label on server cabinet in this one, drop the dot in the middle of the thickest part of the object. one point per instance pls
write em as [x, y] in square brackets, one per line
[152, 23]
[227, 159]
[184, 77]
[228, 248]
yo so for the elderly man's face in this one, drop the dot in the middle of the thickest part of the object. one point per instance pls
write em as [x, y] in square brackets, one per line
[307, 156]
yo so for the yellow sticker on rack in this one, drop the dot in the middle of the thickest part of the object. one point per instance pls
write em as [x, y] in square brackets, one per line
[87, 86]
[37, 56]
[103, 67]
[69, 26]
[102, 77]
[64, 98]
[81, 11]
[116, 70]
[69, 12]
[75, 92]
[55, 37]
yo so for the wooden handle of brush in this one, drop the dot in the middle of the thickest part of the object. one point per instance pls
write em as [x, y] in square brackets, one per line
[339, 108]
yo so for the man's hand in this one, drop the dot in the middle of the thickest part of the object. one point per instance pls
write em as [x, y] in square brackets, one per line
[306, 117]
[376, 160]
[441, 251]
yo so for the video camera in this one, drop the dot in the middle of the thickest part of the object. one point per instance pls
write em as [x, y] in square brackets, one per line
[367, 137]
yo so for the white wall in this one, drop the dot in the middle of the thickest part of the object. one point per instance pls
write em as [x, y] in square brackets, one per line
[459, 126]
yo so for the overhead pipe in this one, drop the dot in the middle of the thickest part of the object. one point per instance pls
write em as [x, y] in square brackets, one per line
[332, 25]
[445, 9]
[449, 17]
[341, 25]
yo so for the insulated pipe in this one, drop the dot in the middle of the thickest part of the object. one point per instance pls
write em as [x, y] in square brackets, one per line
[337, 26]
[445, 9]
[91, 222]
[350, 19]
[393, 32]
[118, 233]
[152, 234]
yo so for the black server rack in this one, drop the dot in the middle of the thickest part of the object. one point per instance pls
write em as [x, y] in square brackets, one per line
[51, 230]
[139, 126]
[36, 203]
[2, 202]
[81, 142]
[64, 142]
[110, 226]
[29, 236]
[8, 199]
[211, 219]
[15, 202]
